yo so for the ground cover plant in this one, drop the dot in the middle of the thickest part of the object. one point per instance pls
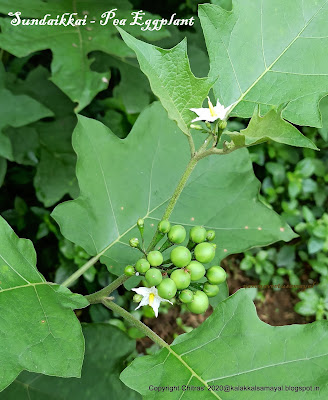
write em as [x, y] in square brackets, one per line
[146, 198]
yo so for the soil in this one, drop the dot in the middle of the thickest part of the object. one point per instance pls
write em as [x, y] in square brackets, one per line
[277, 309]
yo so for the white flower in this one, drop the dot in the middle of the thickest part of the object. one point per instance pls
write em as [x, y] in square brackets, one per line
[151, 297]
[211, 113]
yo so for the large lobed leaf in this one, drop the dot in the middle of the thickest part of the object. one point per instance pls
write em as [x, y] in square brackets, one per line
[123, 180]
[271, 127]
[47, 144]
[39, 331]
[70, 45]
[269, 52]
[106, 349]
[234, 348]
[171, 78]
[256, 58]
[56, 154]
[16, 111]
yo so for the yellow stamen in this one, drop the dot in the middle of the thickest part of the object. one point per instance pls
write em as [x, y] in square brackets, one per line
[210, 106]
[151, 299]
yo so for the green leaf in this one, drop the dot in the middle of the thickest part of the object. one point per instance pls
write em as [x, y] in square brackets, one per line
[3, 169]
[261, 59]
[171, 79]
[223, 294]
[226, 4]
[272, 127]
[286, 257]
[55, 174]
[103, 218]
[47, 144]
[309, 302]
[72, 74]
[39, 86]
[24, 143]
[324, 112]
[314, 245]
[100, 372]
[133, 89]
[39, 331]
[277, 170]
[16, 111]
[249, 351]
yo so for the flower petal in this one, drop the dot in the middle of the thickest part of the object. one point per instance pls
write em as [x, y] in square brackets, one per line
[156, 304]
[154, 290]
[168, 301]
[143, 302]
[199, 110]
[143, 291]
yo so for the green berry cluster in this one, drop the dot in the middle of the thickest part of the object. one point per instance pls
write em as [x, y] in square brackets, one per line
[178, 275]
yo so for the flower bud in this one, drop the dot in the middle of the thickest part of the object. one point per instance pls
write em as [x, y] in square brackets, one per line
[210, 235]
[137, 298]
[134, 242]
[222, 124]
[197, 127]
[140, 223]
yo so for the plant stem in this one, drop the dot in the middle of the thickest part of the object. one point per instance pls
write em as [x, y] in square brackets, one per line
[190, 167]
[215, 150]
[191, 145]
[157, 238]
[97, 297]
[81, 270]
[135, 322]
[191, 245]
[166, 245]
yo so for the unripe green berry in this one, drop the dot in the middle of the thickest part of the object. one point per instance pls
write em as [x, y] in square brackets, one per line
[196, 270]
[204, 252]
[129, 270]
[210, 235]
[137, 298]
[186, 296]
[180, 256]
[164, 226]
[181, 278]
[142, 265]
[216, 275]
[211, 290]
[198, 234]
[140, 223]
[145, 283]
[153, 276]
[167, 289]
[134, 242]
[199, 303]
[155, 258]
[177, 234]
